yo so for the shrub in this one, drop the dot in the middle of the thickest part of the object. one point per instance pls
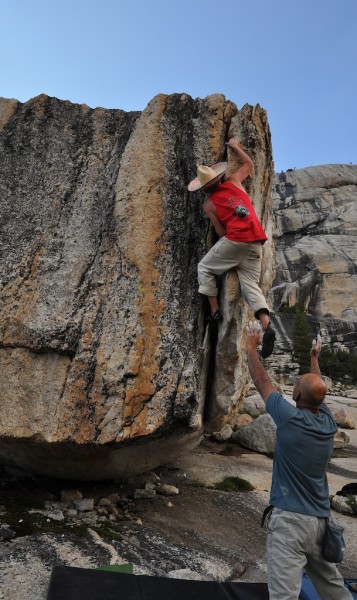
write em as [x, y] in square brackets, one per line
[234, 484]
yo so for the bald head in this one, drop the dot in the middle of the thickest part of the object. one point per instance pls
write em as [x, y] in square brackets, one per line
[309, 390]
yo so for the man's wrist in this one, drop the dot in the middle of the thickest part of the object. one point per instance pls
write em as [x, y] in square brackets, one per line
[237, 148]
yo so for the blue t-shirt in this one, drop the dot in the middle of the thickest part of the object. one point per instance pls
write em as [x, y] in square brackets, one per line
[304, 443]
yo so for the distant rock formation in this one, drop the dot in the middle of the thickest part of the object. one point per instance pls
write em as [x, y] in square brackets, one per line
[316, 252]
[106, 366]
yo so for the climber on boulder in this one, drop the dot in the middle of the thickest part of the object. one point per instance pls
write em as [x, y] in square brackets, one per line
[242, 236]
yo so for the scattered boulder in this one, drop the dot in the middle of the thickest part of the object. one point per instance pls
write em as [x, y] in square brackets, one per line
[144, 494]
[86, 504]
[224, 434]
[341, 439]
[258, 436]
[253, 406]
[243, 420]
[341, 505]
[167, 490]
[104, 502]
[150, 486]
[56, 515]
[343, 418]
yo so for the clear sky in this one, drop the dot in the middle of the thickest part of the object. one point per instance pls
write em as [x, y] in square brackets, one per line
[296, 58]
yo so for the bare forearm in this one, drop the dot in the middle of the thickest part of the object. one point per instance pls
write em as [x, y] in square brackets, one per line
[314, 355]
[258, 373]
[246, 166]
[314, 366]
[243, 156]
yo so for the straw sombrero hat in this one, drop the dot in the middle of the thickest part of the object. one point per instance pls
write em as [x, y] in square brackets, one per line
[206, 175]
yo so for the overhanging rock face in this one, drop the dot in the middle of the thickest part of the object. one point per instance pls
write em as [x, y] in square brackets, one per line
[105, 366]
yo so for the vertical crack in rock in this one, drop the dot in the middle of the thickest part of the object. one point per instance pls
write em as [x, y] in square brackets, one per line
[231, 378]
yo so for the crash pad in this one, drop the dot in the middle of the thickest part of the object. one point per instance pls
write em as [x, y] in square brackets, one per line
[73, 583]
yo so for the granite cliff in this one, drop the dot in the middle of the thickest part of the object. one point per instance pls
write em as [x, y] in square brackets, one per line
[315, 230]
[106, 365]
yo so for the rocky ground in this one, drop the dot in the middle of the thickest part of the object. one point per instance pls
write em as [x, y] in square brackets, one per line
[174, 522]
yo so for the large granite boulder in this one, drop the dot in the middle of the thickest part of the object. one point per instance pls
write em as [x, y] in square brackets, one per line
[106, 365]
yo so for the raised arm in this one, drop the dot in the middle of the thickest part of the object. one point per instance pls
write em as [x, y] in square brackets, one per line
[314, 355]
[247, 164]
[257, 372]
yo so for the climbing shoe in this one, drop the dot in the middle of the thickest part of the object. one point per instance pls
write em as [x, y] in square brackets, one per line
[268, 342]
[215, 318]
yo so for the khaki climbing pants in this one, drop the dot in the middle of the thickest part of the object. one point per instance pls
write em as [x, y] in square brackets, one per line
[246, 258]
[293, 545]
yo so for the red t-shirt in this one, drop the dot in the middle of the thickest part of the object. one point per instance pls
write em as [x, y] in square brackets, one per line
[238, 229]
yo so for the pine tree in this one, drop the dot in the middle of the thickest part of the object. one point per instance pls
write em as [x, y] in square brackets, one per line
[301, 340]
[337, 365]
[334, 365]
